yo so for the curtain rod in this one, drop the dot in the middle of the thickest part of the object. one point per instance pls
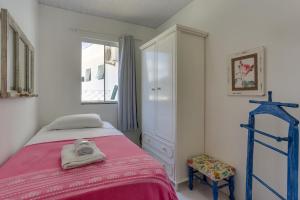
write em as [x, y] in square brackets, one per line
[78, 30]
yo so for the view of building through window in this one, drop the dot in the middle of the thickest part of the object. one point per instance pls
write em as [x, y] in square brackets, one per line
[99, 73]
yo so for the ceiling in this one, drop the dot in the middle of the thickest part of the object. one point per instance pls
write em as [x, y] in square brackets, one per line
[150, 13]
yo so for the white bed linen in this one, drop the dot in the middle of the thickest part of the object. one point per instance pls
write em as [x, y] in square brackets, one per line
[58, 135]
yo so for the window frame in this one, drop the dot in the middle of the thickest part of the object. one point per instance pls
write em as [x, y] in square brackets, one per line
[100, 42]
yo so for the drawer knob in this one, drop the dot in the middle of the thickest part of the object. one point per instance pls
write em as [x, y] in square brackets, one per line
[164, 149]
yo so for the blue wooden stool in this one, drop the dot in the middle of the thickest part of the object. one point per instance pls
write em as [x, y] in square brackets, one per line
[204, 166]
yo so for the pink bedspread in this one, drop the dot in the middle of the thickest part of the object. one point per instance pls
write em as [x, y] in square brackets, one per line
[128, 173]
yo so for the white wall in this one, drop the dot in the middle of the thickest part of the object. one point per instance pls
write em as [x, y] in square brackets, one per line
[18, 117]
[60, 49]
[233, 26]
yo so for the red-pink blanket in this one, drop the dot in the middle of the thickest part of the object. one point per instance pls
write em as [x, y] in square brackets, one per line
[127, 173]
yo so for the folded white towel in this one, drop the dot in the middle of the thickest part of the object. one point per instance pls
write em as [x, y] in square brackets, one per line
[69, 159]
[83, 147]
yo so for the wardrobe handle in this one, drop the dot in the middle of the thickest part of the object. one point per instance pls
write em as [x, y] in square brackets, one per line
[153, 89]
[158, 88]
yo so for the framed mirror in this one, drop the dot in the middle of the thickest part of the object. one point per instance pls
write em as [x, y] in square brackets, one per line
[22, 66]
[11, 61]
[17, 60]
[30, 71]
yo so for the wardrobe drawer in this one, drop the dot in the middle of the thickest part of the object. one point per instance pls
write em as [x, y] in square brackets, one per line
[169, 169]
[167, 166]
[159, 146]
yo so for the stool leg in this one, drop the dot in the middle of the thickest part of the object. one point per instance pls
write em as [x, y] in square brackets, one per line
[215, 189]
[204, 179]
[191, 177]
[231, 188]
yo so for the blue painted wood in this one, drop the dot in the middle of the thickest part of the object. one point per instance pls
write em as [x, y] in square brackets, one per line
[250, 151]
[293, 152]
[201, 179]
[215, 190]
[270, 96]
[275, 109]
[278, 139]
[191, 177]
[270, 102]
[204, 179]
[231, 188]
[271, 147]
[214, 184]
[290, 105]
[268, 187]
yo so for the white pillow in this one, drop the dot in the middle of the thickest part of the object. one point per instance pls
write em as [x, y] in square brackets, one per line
[76, 122]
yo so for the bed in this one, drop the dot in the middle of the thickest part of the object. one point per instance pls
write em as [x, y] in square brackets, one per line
[127, 173]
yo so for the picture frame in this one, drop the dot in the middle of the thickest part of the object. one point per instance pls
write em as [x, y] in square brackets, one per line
[246, 73]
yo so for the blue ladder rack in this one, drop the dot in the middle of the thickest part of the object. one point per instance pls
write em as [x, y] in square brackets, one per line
[275, 109]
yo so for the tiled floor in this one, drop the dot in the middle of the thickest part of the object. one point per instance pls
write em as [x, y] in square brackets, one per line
[200, 192]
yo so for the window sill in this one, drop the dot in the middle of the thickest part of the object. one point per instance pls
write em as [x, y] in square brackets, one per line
[98, 102]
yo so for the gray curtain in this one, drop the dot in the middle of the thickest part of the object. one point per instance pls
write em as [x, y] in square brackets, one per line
[127, 112]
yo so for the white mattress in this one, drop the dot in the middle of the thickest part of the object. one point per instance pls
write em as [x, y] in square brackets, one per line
[58, 135]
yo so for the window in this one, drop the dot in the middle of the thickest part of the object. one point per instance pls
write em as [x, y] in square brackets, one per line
[99, 73]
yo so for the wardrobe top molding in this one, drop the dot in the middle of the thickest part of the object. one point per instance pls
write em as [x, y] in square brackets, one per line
[176, 27]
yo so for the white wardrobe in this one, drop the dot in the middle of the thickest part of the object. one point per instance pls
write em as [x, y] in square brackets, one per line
[173, 98]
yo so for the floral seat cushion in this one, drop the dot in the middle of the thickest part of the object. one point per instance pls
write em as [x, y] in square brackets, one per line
[214, 169]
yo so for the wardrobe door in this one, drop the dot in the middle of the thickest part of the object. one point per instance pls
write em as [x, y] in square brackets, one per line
[148, 89]
[165, 101]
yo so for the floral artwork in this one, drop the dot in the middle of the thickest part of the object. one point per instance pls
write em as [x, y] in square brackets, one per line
[246, 73]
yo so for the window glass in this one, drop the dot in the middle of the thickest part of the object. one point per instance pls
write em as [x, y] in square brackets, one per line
[99, 73]
[111, 73]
